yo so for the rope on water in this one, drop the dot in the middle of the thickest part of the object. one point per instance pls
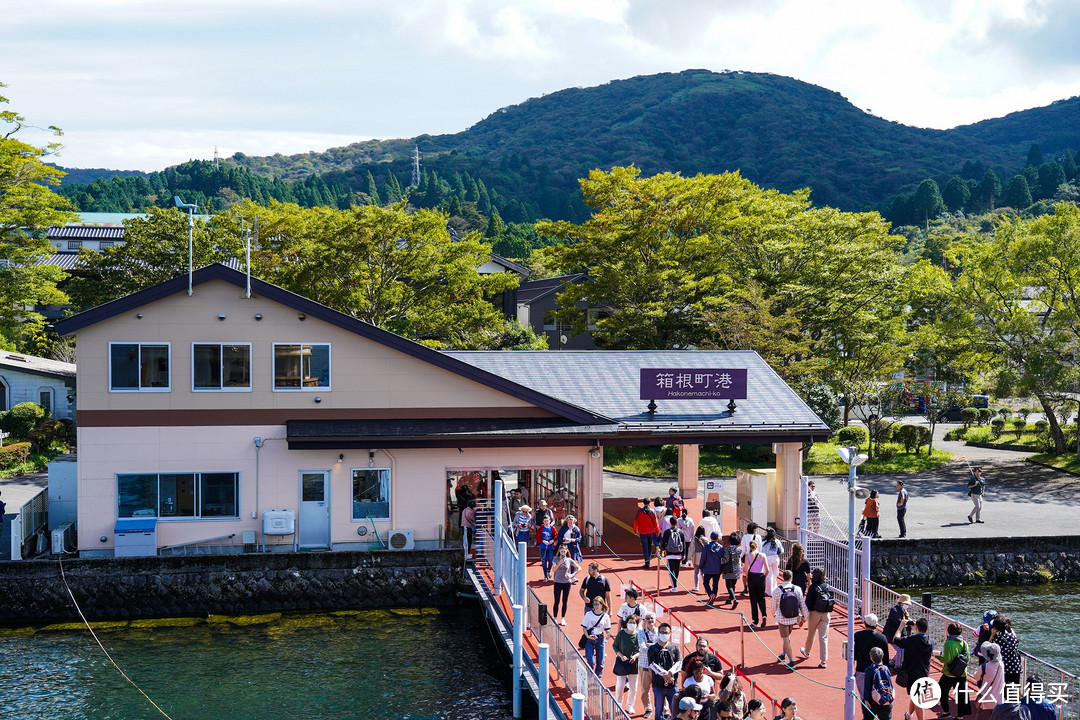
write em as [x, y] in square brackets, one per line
[63, 577]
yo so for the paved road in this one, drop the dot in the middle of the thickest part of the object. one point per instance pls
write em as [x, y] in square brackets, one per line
[1023, 499]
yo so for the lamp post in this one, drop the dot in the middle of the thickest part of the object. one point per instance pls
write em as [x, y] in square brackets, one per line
[190, 207]
[853, 459]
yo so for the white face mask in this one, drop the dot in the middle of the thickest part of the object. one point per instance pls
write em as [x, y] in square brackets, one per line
[664, 637]
[631, 628]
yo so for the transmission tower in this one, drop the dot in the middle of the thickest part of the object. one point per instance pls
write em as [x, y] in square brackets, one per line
[415, 182]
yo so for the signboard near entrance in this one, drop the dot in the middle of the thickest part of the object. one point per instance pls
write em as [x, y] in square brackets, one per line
[693, 384]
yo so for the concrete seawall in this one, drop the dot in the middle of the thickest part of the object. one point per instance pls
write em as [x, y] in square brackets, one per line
[975, 561]
[123, 588]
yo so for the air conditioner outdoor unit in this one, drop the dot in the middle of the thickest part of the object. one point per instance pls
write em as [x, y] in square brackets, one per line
[64, 539]
[400, 540]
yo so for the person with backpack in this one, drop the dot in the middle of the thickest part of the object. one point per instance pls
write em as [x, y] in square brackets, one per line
[732, 566]
[789, 608]
[674, 502]
[673, 544]
[882, 693]
[688, 526]
[712, 566]
[954, 662]
[820, 600]
[647, 528]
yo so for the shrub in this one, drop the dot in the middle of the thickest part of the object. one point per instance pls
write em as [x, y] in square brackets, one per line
[12, 455]
[979, 435]
[21, 419]
[669, 456]
[970, 416]
[1019, 425]
[1005, 412]
[1042, 425]
[997, 426]
[885, 453]
[1023, 412]
[984, 415]
[852, 435]
[912, 437]
[883, 430]
[44, 435]
[957, 433]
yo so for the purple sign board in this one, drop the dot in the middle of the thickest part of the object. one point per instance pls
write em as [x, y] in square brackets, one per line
[693, 384]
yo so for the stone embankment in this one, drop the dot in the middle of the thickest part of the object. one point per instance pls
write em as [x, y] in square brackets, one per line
[975, 561]
[124, 588]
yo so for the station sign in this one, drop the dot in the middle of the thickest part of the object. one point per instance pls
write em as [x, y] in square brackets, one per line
[693, 383]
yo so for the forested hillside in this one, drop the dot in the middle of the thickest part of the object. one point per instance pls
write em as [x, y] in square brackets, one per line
[524, 161]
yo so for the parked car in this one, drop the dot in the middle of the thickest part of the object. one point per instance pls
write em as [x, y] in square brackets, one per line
[955, 413]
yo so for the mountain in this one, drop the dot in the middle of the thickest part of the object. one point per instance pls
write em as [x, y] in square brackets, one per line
[84, 176]
[525, 160]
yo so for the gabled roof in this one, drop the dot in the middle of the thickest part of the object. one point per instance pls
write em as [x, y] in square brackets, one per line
[261, 288]
[36, 365]
[533, 290]
[510, 265]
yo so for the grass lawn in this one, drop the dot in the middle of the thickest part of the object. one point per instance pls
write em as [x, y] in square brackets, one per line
[1067, 462]
[983, 435]
[725, 460]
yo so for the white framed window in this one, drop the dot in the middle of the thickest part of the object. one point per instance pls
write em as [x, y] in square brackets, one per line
[195, 495]
[139, 367]
[222, 367]
[106, 244]
[45, 399]
[370, 494]
[301, 366]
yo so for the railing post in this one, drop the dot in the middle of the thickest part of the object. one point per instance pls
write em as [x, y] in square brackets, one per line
[522, 573]
[518, 613]
[804, 504]
[544, 682]
[865, 562]
[16, 537]
[577, 706]
[496, 510]
[742, 640]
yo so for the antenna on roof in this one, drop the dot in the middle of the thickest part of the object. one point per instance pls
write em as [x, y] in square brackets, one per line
[190, 207]
[415, 182]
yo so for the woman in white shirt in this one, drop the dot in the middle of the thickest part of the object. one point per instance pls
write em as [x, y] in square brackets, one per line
[772, 549]
[596, 625]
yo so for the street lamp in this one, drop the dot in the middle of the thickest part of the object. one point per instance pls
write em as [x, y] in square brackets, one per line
[853, 459]
[190, 207]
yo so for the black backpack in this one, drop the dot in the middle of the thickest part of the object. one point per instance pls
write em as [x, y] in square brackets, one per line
[825, 601]
[674, 542]
[789, 601]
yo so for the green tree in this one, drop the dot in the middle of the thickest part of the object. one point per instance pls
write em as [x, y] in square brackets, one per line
[989, 188]
[28, 206]
[956, 194]
[1019, 194]
[1051, 175]
[927, 202]
[1070, 165]
[373, 190]
[1034, 156]
[398, 270]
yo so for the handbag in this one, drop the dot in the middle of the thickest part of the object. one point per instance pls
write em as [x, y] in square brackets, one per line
[585, 635]
[958, 665]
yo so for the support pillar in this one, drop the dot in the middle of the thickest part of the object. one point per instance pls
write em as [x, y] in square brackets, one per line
[788, 483]
[688, 471]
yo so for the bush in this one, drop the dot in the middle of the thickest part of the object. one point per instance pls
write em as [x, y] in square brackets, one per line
[1042, 426]
[997, 426]
[885, 452]
[44, 435]
[669, 456]
[984, 415]
[12, 455]
[957, 433]
[1023, 412]
[970, 416]
[21, 419]
[852, 435]
[1019, 425]
[883, 430]
[1005, 412]
[912, 437]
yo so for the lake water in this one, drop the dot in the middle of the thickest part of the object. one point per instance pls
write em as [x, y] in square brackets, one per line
[372, 664]
[1046, 618]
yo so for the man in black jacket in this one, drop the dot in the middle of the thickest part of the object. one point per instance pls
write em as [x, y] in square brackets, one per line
[870, 637]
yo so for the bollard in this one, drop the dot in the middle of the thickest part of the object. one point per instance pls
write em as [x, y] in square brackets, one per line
[578, 706]
[518, 616]
[544, 701]
[742, 640]
[927, 598]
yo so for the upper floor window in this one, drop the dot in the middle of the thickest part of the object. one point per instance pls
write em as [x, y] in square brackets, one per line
[74, 244]
[106, 244]
[139, 367]
[221, 366]
[301, 367]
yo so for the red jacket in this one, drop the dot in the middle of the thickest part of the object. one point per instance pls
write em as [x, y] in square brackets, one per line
[645, 523]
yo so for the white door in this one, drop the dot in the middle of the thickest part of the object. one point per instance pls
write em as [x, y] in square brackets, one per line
[314, 509]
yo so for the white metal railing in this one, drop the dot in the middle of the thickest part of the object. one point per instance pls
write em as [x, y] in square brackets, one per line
[31, 518]
[223, 544]
[882, 599]
[832, 557]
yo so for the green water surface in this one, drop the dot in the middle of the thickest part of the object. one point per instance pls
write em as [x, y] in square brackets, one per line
[374, 664]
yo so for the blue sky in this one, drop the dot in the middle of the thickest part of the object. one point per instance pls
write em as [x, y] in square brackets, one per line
[143, 85]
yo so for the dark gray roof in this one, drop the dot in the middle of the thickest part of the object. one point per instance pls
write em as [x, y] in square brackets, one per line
[62, 260]
[511, 265]
[314, 434]
[36, 365]
[607, 383]
[533, 290]
[83, 232]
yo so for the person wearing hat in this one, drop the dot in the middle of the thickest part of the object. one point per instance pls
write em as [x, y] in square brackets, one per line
[689, 709]
[897, 617]
[863, 641]
[901, 507]
[985, 632]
